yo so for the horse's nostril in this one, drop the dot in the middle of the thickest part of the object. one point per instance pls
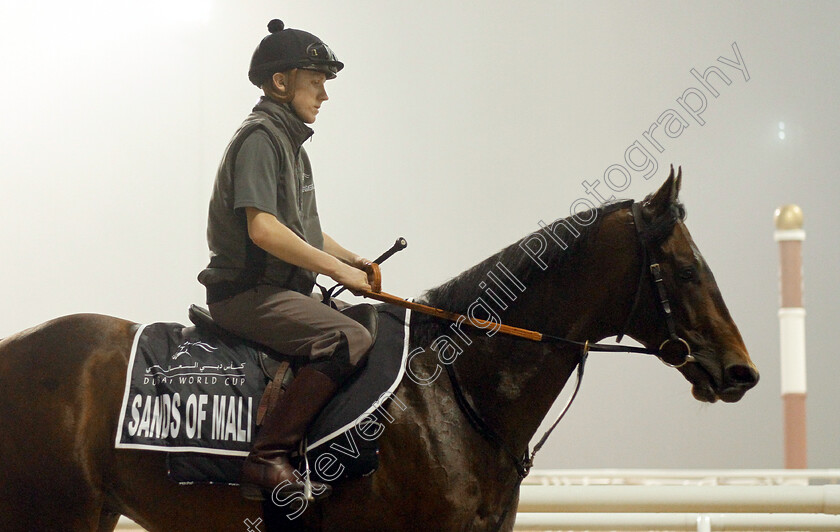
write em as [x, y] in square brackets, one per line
[741, 375]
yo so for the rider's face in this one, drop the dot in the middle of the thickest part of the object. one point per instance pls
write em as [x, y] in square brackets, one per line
[310, 93]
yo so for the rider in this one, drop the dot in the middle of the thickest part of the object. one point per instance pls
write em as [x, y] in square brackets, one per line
[267, 246]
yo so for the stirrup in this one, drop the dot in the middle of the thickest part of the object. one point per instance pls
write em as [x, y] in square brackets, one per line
[312, 491]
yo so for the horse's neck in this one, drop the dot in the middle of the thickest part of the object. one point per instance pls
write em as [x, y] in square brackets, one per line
[512, 382]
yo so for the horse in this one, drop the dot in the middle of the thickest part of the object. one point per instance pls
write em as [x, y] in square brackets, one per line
[584, 278]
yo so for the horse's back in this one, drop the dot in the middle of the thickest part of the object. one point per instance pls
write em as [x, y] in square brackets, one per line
[60, 384]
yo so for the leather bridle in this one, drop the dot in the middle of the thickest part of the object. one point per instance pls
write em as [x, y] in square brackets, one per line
[649, 264]
[674, 351]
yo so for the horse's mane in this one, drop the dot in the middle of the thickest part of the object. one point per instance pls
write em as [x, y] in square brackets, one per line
[459, 292]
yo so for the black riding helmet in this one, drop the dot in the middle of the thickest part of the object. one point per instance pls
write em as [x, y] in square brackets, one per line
[285, 49]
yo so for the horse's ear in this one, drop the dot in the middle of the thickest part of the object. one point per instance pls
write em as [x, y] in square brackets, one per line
[666, 196]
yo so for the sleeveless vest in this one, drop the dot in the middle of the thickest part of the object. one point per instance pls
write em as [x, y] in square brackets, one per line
[236, 263]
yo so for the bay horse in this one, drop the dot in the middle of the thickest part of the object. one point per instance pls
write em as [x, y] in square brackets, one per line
[583, 278]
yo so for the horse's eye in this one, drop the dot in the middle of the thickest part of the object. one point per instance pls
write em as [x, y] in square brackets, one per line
[689, 273]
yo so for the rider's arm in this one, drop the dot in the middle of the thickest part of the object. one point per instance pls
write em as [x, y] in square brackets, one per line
[269, 234]
[344, 255]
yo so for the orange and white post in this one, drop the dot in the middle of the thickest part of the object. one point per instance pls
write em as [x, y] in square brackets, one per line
[790, 235]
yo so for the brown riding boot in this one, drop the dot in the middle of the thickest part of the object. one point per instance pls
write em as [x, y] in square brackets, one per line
[268, 467]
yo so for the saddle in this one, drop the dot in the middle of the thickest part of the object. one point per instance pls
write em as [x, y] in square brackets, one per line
[279, 368]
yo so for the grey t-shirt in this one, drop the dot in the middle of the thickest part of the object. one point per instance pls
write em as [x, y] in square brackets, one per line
[264, 167]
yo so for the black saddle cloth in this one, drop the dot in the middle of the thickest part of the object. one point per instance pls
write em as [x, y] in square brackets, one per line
[342, 441]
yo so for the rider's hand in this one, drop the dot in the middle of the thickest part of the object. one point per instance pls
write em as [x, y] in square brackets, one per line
[374, 279]
[355, 279]
[360, 263]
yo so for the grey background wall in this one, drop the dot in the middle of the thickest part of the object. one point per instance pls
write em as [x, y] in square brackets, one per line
[491, 115]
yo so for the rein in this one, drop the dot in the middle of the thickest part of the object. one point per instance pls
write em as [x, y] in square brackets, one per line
[649, 259]
[523, 464]
[502, 328]
[649, 262]
[666, 352]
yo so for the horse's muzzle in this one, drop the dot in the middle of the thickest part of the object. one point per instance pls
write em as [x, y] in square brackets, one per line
[711, 382]
[737, 379]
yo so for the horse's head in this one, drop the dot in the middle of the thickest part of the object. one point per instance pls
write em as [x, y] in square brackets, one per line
[719, 366]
